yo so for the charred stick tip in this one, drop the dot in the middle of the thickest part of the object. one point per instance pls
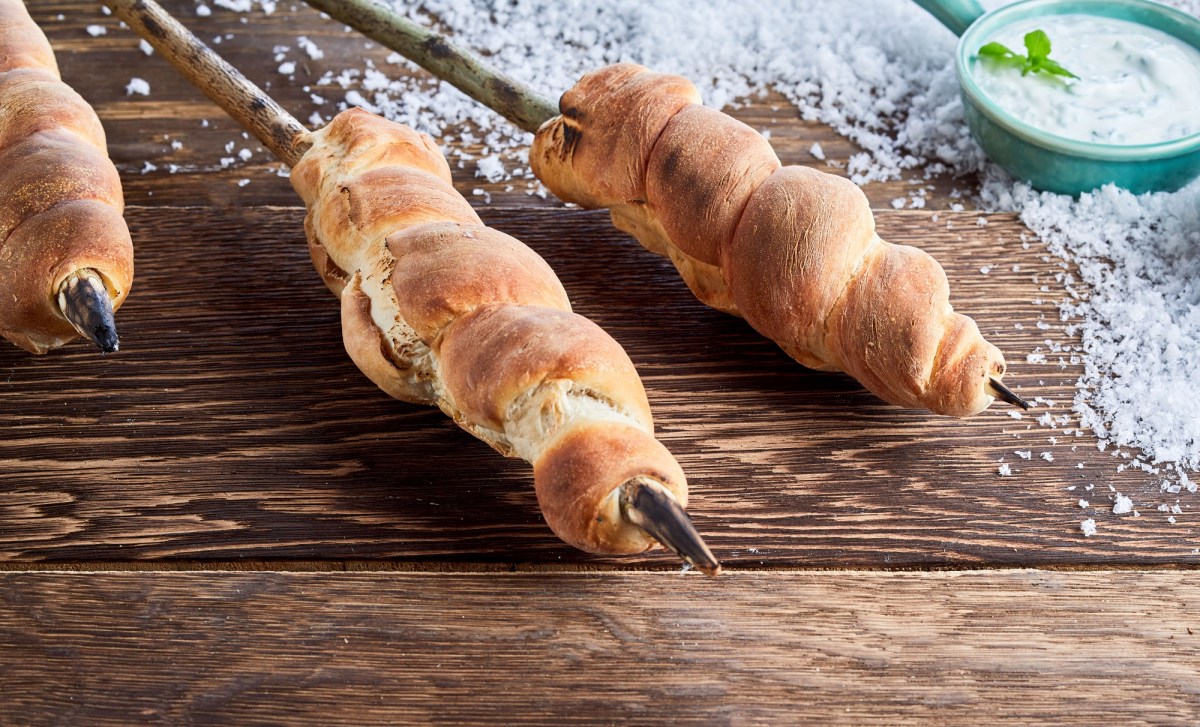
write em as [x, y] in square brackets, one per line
[84, 300]
[1005, 394]
[649, 505]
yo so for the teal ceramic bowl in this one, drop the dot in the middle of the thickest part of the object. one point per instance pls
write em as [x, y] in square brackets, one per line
[1052, 162]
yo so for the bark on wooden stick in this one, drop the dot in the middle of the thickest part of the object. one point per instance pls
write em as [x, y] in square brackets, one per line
[257, 112]
[457, 66]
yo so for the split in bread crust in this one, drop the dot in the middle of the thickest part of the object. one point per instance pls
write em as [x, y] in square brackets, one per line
[790, 249]
[62, 201]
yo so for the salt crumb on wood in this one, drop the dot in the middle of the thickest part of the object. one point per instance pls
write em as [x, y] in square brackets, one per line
[137, 86]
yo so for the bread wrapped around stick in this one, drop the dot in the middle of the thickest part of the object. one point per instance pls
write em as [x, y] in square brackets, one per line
[66, 260]
[439, 309]
[792, 250]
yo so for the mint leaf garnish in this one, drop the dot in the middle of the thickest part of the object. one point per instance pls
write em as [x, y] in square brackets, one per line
[998, 50]
[1037, 45]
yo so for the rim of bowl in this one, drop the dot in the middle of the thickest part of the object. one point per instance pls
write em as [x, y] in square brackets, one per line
[1115, 152]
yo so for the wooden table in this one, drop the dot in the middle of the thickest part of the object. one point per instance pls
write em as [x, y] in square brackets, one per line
[226, 522]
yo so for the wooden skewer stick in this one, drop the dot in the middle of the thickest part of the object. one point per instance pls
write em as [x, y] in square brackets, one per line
[653, 508]
[513, 100]
[644, 502]
[257, 112]
[84, 300]
[1005, 394]
[468, 73]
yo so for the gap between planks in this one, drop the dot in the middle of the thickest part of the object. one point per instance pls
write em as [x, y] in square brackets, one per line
[473, 568]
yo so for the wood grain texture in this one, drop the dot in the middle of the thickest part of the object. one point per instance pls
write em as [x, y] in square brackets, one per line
[1012, 648]
[232, 433]
[140, 128]
[232, 424]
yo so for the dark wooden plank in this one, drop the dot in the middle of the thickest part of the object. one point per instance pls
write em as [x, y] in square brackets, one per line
[1013, 648]
[140, 128]
[232, 425]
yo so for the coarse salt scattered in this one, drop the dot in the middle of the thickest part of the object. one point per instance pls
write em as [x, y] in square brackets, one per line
[1122, 505]
[310, 48]
[1004, 470]
[137, 86]
[817, 151]
[96, 30]
[1088, 527]
[490, 168]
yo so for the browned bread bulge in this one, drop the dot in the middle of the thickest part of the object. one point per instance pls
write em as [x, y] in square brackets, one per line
[60, 196]
[792, 250]
[439, 309]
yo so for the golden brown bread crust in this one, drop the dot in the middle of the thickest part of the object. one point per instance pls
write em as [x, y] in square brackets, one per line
[432, 295]
[498, 353]
[576, 478]
[790, 249]
[439, 309]
[697, 204]
[621, 144]
[62, 200]
[35, 101]
[71, 236]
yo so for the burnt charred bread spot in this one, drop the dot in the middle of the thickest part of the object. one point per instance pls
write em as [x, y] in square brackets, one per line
[439, 48]
[571, 137]
[689, 181]
[670, 165]
[571, 112]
